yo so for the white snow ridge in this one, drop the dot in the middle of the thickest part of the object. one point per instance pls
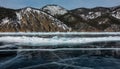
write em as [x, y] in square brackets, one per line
[55, 10]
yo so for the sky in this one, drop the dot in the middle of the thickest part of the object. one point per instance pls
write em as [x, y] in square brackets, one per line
[68, 4]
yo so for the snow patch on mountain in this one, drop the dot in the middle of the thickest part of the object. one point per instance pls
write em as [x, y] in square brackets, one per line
[90, 15]
[28, 9]
[116, 14]
[19, 16]
[5, 20]
[54, 10]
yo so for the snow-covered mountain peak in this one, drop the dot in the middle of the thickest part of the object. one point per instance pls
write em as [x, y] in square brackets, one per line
[54, 10]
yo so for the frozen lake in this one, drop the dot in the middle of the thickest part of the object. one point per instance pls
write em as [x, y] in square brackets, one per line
[55, 50]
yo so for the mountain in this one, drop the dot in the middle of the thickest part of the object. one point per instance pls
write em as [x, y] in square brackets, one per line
[53, 18]
[98, 19]
[31, 20]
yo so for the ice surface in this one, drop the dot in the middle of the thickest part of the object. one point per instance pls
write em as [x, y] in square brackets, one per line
[31, 51]
[57, 33]
[37, 41]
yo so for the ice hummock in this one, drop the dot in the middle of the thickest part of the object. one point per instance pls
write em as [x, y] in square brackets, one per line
[24, 39]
